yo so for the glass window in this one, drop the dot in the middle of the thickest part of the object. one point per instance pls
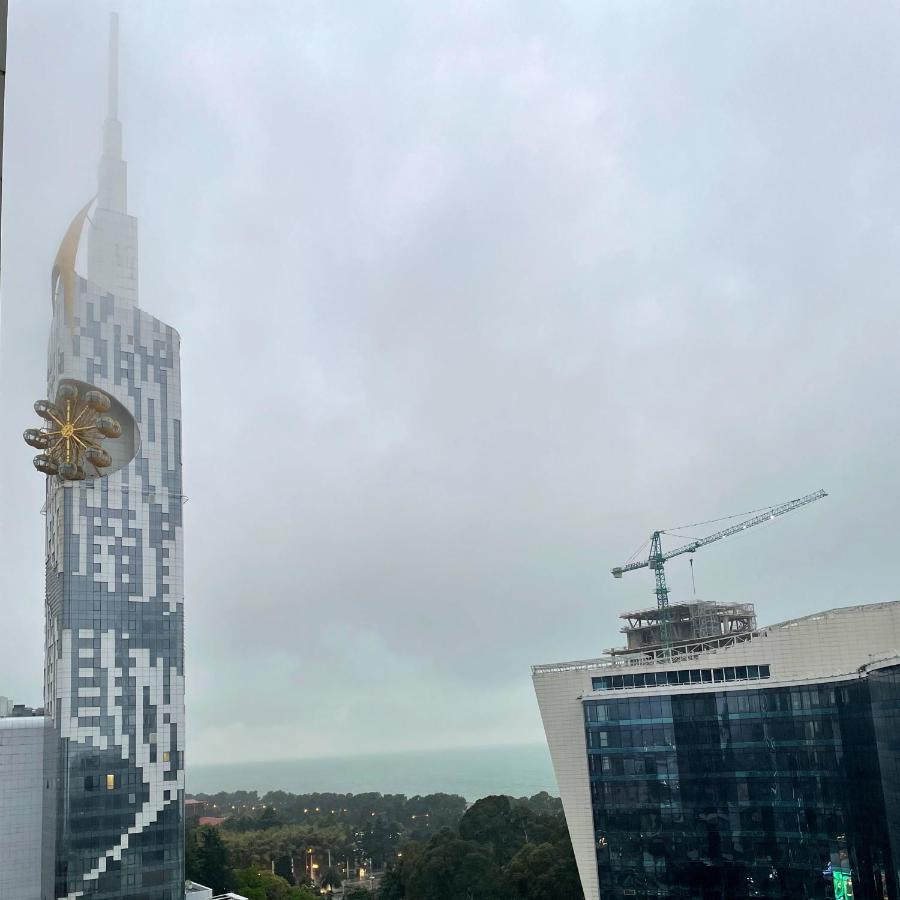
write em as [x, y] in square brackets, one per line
[718, 675]
[729, 673]
[695, 676]
[763, 671]
[707, 675]
[110, 782]
[672, 677]
[628, 681]
[684, 677]
[617, 682]
[753, 671]
[740, 673]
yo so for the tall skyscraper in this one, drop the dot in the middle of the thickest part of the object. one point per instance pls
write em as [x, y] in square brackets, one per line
[114, 668]
[742, 762]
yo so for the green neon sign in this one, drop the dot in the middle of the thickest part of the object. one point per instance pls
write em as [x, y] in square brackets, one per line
[843, 886]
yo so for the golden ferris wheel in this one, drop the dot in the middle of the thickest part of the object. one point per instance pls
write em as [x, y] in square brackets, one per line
[76, 426]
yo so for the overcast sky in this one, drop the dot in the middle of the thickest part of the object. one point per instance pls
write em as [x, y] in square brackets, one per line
[472, 296]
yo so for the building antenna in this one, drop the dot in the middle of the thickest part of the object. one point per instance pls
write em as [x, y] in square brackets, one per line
[112, 105]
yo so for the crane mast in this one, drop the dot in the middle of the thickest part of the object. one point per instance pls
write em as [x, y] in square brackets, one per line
[656, 562]
[656, 559]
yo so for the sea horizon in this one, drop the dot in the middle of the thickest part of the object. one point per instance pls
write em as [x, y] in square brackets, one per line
[518, 770]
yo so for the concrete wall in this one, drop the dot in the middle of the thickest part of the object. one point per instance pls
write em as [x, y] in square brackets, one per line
[21, 798]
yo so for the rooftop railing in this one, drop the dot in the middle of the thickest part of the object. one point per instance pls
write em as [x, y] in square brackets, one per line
[657, 657]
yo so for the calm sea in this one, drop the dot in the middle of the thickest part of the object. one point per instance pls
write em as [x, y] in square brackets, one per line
[519, 771]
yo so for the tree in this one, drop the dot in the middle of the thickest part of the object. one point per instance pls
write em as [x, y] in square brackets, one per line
[266, 886]
[207, 860]
[283, 866]
[268, 818]
[543, 872]
[331, 878]
[500, 824]
[544, 803]
[393, 884]
[454, 869]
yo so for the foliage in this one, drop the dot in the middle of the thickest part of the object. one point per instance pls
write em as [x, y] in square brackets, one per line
[207, 859]
[543, 872]
[331, 878]
[396, 878]
[257, 885]
[507, 825]
[453, 869]
[259, 848]
[499, 849]
[542, 803]
[506, 850]
[416, 817]
[495, 822]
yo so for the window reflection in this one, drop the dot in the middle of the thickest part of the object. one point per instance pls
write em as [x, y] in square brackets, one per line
[746, 792]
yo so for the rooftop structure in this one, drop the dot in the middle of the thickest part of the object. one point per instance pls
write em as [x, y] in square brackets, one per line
[688, 624]
[11, 710]
[194, 891]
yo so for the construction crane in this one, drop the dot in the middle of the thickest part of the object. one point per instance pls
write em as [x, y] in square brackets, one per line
[657, 559]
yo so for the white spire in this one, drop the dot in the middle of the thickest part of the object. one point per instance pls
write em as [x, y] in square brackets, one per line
[112, 110]
[112, 240]
[112, 188]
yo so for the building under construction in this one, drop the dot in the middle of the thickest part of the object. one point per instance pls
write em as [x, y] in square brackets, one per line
[689, 623]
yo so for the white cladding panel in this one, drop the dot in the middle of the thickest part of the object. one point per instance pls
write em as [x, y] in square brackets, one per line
[560, 705]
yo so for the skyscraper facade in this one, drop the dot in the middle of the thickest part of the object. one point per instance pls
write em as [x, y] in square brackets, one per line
[114, 665]
[763, 762]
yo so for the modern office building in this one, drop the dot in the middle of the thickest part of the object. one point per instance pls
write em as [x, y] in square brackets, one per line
[743, 762]
[113, 785]
[21, 793]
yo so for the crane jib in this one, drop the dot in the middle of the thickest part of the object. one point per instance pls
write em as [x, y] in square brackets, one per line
[653, 561]
[656, 559]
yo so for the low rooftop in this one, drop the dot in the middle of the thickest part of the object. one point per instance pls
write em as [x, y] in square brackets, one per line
[8, 709]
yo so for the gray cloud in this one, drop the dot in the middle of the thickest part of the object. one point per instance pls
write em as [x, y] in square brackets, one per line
[472, 298]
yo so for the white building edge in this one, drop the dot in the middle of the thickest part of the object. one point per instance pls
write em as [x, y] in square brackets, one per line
[21, 799]
[834, 645]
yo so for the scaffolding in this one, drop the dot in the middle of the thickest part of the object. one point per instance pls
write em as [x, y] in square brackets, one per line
[687, 622]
